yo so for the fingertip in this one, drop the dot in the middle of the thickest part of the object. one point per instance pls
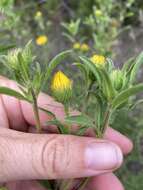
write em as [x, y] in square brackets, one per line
[125, 143]
[106, 182]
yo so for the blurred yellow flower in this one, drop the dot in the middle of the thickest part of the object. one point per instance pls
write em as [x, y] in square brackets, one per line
[41, 40]
[76, 46]
[61, 87]
[84, 47]
[98, 13]
[99, 60]
[38, 14]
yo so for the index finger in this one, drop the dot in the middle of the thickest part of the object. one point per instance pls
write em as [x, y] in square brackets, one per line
[20, 112]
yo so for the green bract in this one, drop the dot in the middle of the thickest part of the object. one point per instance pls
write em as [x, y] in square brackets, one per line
[118, 79]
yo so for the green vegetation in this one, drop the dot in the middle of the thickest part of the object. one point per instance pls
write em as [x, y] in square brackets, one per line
[89, 28]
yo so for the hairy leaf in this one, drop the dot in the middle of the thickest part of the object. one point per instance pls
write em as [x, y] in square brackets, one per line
[62, 129]
[82, 120]
[11, 92]
[139, 61]
[124, 95]
[92, 68]
[55, 61]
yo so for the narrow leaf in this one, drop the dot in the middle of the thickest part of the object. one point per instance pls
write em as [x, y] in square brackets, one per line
[82, 120]
[81, 131]
[48, 112]
[11, 92]
[83, 69]
[124, 95]
[92, 68]
[55, 61]
[139, 61]
[62, 129]
[107, 84]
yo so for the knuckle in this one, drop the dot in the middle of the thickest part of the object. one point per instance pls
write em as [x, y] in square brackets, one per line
[55, 155]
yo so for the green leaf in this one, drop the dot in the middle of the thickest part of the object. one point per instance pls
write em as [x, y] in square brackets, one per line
[47, 111]
[13, 93]
[139, 61]
[124, 95]
[82, 120]
[23, 67]
[138, 102]
[62, 129]
[81, 131]
[55, 61]
[107, 84]
[83, 69]
[128, 65]
[110, 65]
[92, 68]
[68, 36]
[46, 184]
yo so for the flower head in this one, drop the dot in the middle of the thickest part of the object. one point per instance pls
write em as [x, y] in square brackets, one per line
[38, 14]
[84, 47]
[76, 46]
[41, 40]
[98, 13]
[98, 60]
[61, 87]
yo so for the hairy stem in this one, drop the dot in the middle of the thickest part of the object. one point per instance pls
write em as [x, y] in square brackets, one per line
[106, 121]
[36, 111]
[87, 97]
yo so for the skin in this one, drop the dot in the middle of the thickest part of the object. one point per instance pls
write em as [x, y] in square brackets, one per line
[29, 152]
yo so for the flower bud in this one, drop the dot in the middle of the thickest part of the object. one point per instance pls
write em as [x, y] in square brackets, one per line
[98, 13]
[76, 46]
[38, 14]
[98, 60]
[84, 47]
[61, 87]
[117, 78]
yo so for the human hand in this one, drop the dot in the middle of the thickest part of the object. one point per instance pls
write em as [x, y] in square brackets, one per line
[26, 156]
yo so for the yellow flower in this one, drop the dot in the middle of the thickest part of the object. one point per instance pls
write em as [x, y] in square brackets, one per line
[84, 47]
[99, 60]
[98, 13]
[76, 46]
[61, 87]
[41, 40]
[38, 14]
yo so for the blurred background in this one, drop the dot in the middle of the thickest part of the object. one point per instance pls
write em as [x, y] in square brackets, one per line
[108, 27]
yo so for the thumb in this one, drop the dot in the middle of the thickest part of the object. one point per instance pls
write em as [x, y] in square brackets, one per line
[41, 156]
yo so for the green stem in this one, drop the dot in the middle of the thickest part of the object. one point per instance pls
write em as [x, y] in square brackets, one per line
[66, 184]
[106, 121]
[36, 111]
[99, 135]
[66, 109]
[84, 183]
[87, 97]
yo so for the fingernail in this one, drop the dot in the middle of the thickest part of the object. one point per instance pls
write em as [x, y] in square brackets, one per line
[103, 156]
